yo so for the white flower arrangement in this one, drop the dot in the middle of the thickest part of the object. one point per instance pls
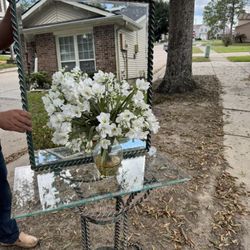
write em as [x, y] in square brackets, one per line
[83, 111]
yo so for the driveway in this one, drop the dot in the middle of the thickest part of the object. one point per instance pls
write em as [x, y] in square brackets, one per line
[12, 142]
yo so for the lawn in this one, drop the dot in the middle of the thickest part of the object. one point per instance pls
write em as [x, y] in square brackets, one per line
[218, 47]
[232, 48]
[197, 50]
[212, 43]
[200, 59]
[239, 58]
[4, 58]
[41, 133]
[6, 66]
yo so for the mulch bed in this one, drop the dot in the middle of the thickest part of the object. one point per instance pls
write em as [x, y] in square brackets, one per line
[201, 214]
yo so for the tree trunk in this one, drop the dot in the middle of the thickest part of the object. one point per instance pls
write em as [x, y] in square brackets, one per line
[232, 18]
[178, 75]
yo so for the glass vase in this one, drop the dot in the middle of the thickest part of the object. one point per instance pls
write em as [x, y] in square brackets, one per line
[108, 160]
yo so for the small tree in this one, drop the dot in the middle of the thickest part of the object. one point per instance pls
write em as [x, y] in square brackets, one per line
[161, 18]
[218, 13]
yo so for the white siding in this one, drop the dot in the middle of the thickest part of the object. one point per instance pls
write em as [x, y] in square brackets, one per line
[2, 8]
[137, 62]
[241, 22]
[57, 12]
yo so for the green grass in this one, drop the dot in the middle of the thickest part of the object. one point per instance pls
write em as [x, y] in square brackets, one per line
[212, 43]
[197, 50]
[231, 49]
[4, 57]
[7, 66]
[219, 47]
[200, 59]
[41, 133]
[239, 58]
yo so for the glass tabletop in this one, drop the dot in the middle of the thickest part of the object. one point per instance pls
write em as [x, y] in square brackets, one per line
[38, 193]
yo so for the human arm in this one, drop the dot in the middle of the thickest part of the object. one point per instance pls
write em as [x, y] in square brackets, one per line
[6, 32]
[15, 120]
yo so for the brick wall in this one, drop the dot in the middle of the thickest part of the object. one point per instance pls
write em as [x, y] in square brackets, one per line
[46, 52]
[104, 37]
[29, 57]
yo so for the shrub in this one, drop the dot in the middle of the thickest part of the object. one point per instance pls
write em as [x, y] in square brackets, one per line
[38, 80]
[240, 38]
[227, 40]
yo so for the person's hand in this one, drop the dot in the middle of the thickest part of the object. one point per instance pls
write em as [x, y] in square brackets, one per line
[15, 120]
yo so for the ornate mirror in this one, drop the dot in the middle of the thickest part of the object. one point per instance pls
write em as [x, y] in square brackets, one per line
[54, 36]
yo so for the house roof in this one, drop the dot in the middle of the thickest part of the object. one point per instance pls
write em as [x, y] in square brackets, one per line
[39, 4]
[129, 17]
[134, 12]
[120, 20]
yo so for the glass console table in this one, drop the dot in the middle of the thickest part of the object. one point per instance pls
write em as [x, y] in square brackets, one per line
[77, 186]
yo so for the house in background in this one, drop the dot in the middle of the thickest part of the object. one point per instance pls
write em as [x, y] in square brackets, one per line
[243, 26]
[201, 31]
[63, 33]
[3, 7]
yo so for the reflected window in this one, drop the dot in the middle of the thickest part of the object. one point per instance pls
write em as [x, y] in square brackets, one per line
[77, 50]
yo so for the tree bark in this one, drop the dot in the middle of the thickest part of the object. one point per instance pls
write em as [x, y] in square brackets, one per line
[178, 75]
[232, 18]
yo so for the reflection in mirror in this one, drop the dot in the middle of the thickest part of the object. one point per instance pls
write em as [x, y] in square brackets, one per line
[90, 35]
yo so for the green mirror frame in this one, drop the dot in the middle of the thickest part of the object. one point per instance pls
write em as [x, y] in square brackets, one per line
[21, 74]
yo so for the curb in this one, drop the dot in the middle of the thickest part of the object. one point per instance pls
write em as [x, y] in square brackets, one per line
[8, 70]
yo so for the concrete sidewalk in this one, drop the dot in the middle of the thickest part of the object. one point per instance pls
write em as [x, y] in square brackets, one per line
[235, 81]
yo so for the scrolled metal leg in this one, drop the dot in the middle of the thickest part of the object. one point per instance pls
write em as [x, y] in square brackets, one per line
[117, 244]
[85, 233]
[125, 230]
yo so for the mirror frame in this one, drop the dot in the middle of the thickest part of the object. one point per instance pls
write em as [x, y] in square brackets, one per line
[21, 74]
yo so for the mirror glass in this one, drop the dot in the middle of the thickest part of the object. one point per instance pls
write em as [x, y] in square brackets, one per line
[68, 36]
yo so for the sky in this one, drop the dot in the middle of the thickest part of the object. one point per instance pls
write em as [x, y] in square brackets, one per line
[199, 6]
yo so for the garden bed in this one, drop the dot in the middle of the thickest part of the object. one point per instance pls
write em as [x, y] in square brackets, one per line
[202, 214]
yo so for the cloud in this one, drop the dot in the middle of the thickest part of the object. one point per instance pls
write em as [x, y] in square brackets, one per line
[199, 6]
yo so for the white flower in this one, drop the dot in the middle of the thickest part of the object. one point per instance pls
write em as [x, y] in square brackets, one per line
[138, 123]
[104, 118]
[60, 138]
[99, 77]
[75, 145]
[138, 97]
[125, 116]
[89, 145]
[57, 119]
[86, 92]
[104, 129]
[142, 85]
[69, 110]
[66, 127]
[137, 133]
[71, 96]
[98, 89]
[53, 94]
[125, 88]
[88, 81]
[114, 130]
[58, 102]
[76, 70]
[104, 143]
[57, 78]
